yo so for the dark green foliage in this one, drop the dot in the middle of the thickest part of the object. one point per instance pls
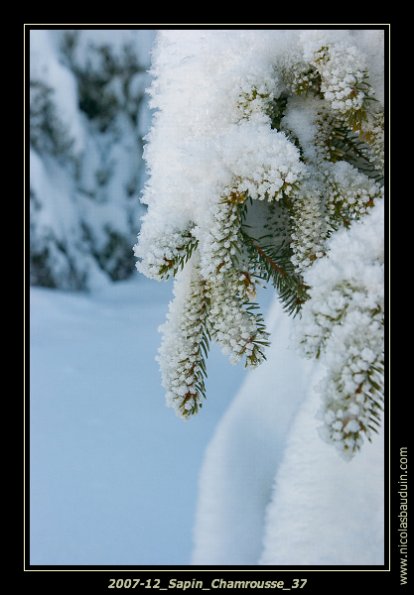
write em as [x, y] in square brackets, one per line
[272, 263]
[338, 142]
[258, 354]
[48, 133]
[40, 271]
[95, 177]
[99, 79]
[276, 110]
[114, 257]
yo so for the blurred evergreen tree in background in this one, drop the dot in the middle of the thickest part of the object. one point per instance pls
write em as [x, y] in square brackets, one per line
[88, 116]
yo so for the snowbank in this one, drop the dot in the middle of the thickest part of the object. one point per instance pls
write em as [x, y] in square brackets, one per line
[270, 491]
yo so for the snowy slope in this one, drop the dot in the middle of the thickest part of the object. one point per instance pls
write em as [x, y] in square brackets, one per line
[325, 510]
[237, 475]
[270, 491]
[113, 474]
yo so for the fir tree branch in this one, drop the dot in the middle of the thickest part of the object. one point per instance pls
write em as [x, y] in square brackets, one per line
[273, 263]
[185, 343]
[183, 253]
[278, 269]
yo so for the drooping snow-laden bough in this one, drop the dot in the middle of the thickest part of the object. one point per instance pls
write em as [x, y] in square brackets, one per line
[266, 164]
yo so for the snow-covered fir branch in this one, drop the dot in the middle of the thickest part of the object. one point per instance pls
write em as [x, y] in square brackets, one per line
[219, 239]
[264, 145]
[161, 257]
[344, 80]
[342, 325]
[185, 342]
[350, 194]
[236, 324]
[309, 227]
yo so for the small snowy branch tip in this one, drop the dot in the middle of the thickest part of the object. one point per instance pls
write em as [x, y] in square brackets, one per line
[265, 163]
[185, 343]
[342, 325]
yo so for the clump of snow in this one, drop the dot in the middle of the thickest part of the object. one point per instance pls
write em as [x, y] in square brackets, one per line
[302, 122]
[211, 131]
[201, 147]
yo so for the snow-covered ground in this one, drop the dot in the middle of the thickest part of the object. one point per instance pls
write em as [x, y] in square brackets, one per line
[113, 471]
[115, 475]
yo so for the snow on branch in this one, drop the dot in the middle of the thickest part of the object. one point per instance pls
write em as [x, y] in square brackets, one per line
[264, 154]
